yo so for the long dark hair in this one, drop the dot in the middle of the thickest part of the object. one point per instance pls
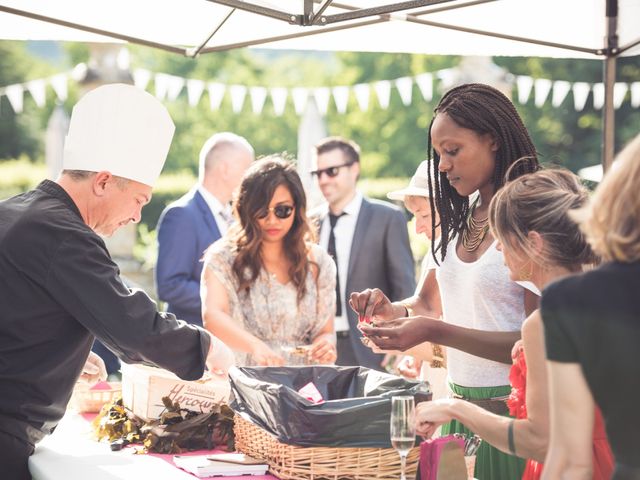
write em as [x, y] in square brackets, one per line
[256, 190]
[484, 110]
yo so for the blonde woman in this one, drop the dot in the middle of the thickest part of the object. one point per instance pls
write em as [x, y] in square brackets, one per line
[592, 332]
[530, 219]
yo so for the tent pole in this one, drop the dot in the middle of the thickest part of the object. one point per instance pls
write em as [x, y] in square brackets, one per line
[609, 79]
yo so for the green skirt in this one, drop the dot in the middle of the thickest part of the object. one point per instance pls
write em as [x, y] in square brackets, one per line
[491, 463]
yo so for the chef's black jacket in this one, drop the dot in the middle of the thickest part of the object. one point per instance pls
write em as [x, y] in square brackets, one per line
[59, 288]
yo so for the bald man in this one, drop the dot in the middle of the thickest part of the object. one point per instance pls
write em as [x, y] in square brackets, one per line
[188, 226]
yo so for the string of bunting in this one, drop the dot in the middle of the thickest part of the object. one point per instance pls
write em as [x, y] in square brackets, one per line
[169, 87]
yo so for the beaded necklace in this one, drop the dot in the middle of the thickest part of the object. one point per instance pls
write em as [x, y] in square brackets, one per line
[475, 230]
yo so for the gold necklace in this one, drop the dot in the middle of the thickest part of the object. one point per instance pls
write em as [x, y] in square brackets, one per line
[475, 231]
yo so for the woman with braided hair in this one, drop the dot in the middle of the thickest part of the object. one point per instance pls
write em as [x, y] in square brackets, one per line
[474, 138]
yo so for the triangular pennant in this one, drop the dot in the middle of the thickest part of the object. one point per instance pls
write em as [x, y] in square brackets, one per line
[175, 87]
[598, 95]
[619, 92]
[405, 89]
[542, 89]
[383, 91]
[322, 95]
[194, 91]
[279, 99]
[15, 94]
[238, 93]
[362, 93]
[341, 97]
[635, 94]
[425, 83]
[216, 94]
[258, 96]
[580, 94]
[560, 91]
[59, 84]
[141, 78]
[525, 84]
[37, 90]
[162, 85]
[300, 96]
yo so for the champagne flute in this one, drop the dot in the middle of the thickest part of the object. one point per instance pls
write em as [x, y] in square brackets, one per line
[402, 428]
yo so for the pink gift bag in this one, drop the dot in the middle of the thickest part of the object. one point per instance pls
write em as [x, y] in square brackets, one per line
[442, 459]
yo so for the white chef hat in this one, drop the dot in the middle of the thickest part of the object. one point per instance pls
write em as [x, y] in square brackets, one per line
[120, 129]
[418, 186]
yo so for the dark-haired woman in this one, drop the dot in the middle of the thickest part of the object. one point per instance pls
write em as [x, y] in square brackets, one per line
[540, 242]
[266, 288]
[474, 137]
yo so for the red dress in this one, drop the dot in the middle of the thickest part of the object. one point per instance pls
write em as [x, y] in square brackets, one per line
[602, 457]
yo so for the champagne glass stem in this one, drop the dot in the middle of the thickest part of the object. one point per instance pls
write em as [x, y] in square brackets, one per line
[403, 466]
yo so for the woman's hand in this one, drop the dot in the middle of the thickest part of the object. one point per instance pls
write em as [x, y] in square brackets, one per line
[372, 304]
[430, 415]
[399, 334]
[409, 367]
[323, 349]
[265, 356]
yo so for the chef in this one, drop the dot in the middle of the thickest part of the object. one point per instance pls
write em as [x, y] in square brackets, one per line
[59, 287]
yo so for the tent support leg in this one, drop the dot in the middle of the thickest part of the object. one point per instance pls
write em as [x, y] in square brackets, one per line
[609, 79]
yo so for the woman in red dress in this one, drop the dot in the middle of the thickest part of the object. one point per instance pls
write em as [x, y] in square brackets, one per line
[541, 244]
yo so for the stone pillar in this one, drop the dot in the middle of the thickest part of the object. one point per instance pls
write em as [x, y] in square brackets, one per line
[311, 130]
[57, 129]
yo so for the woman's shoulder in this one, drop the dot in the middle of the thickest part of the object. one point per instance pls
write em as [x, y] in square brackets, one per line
[222, 250]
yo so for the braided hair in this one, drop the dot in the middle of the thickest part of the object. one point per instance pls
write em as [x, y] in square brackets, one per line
[484, 110]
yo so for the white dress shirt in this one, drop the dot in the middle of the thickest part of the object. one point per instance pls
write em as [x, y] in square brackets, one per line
[343, 232]
[217, 209]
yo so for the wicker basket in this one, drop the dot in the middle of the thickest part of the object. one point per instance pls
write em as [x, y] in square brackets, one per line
[86, 400]
[289, 462]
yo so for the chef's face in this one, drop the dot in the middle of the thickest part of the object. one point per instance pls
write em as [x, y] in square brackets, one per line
[122, 202]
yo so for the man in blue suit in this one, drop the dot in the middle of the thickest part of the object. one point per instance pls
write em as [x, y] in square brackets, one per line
[189, 225]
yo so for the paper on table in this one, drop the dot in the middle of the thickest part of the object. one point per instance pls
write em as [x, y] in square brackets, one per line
[202, 466]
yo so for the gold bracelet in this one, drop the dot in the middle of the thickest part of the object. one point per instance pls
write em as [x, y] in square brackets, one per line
[437, 361]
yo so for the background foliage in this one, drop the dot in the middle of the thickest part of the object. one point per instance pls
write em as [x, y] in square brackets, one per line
[393, 141]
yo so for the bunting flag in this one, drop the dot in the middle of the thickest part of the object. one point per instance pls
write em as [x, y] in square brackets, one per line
[15, 94]
[169, 87]
[238, 93]
[194, 91]
[279, 99]
[258, 96]
[362, 93]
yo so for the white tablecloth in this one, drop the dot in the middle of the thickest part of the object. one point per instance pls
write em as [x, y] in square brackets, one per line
[70, 454]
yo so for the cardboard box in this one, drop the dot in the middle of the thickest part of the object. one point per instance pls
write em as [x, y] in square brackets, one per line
[143, 388]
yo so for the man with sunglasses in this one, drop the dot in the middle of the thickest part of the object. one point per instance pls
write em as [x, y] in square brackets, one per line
[190, 224]
[368, 240]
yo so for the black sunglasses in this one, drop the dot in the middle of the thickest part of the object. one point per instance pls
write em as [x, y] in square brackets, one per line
[280, 211]
[331, 171]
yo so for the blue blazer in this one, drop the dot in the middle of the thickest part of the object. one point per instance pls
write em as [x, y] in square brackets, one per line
[185, 230]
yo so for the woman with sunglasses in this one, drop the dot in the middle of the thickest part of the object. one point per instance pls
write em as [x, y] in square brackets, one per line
[266, 287]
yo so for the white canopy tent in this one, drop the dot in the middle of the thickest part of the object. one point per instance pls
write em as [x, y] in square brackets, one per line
[599, 29]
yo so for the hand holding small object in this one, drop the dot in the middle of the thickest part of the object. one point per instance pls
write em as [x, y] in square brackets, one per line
[94, 370]
[220, 358]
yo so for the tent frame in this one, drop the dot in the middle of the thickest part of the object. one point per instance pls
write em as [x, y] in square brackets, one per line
[358, 17]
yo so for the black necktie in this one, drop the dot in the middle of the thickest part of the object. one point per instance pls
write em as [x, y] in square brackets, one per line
[331, 250]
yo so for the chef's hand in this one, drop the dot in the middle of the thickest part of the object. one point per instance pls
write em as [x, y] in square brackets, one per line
[220, 358]
[371, 304]
[323, 349]
[94, 370]
[399, 334]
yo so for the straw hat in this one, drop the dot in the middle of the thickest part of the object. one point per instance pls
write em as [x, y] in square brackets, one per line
[418, 186]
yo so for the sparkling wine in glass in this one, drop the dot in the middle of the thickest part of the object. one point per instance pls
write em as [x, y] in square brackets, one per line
[402, 428]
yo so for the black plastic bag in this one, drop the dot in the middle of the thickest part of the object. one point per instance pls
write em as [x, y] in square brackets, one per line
[355, 412]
